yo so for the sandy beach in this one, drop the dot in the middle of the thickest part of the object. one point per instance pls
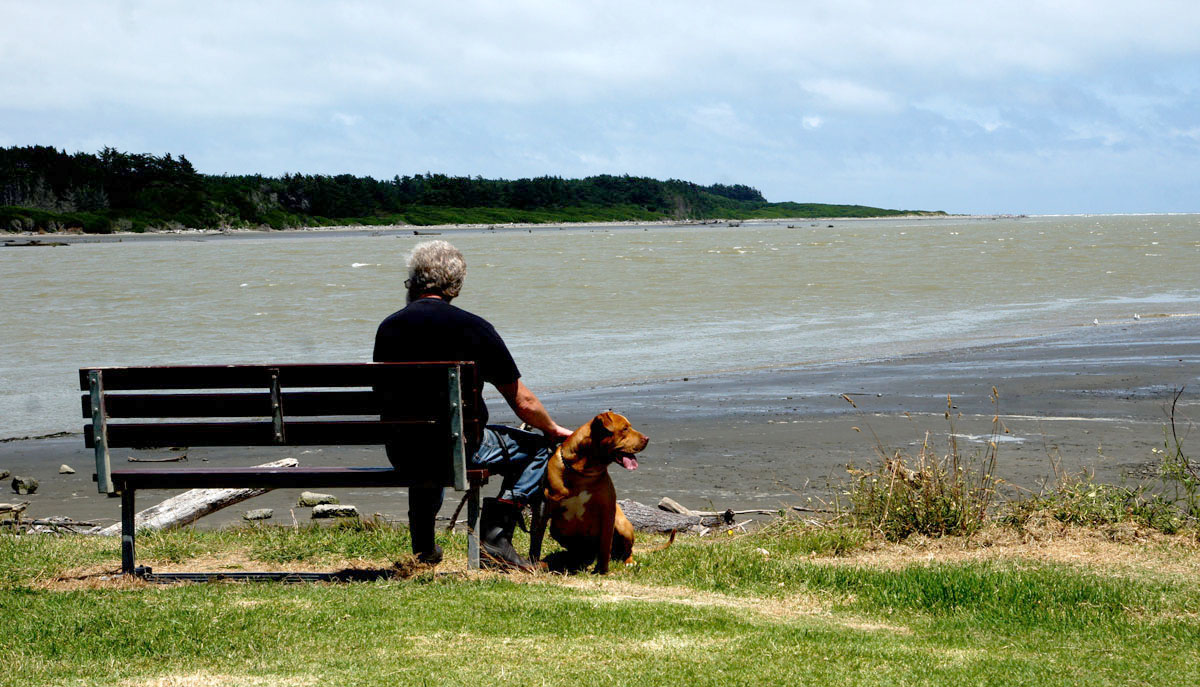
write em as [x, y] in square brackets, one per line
[1092, 399]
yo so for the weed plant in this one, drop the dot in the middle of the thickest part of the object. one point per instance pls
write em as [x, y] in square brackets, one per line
[948, 493]
[1171, 506]
[934, 494]
[1179, 473]
[1080, 500]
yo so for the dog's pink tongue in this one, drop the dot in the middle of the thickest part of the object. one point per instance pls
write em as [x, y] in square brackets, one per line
[629, 462]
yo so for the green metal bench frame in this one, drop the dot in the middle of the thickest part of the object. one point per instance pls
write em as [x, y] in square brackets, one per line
[425, 405]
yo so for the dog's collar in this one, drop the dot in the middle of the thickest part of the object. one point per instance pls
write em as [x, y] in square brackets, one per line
[569, 460]
[565, 458]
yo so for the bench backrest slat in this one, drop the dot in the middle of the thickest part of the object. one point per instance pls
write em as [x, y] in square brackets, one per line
[236, 404]
[316, 375]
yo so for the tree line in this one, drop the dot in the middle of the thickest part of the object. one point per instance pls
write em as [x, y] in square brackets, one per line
[42, 188]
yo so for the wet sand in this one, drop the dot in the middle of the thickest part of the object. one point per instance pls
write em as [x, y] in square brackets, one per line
[1093, 398]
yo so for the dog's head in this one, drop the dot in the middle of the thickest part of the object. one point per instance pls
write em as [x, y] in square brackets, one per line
[613, 440]
[615, 437]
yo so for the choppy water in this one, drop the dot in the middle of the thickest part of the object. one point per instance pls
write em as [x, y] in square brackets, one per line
[585, 307]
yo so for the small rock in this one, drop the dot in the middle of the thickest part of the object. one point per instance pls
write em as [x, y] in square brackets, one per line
[309, 499]
[4, 474]
[24, 485]
[328, 510]
[65, 469]
[259, 514]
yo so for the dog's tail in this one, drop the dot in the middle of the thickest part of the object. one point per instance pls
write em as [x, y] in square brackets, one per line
[663, 546]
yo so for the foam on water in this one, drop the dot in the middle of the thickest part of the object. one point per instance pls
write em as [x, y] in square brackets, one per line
[588, 307]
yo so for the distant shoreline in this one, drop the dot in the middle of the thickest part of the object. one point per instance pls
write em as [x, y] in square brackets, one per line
[432, 230]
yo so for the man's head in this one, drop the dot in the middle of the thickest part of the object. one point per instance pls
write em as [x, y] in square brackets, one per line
[435, 267]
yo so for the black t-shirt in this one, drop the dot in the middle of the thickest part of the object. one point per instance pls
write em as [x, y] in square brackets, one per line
[432, 329]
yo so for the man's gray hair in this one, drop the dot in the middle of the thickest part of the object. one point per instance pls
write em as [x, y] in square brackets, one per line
[435, 267]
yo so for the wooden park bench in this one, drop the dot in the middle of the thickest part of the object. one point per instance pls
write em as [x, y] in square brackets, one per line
[427, 408]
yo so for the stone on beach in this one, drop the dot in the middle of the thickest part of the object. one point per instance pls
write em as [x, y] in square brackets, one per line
[309, 499]
[259, 514]
[328, 510]
[24, 485]
[65, 469]
[4, 474]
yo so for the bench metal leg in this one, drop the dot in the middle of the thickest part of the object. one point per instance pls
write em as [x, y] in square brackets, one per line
[127, 512]
[473, 522]
[537, 528]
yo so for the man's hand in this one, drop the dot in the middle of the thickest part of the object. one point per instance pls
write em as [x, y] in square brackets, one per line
[559, 434]
[531, 411]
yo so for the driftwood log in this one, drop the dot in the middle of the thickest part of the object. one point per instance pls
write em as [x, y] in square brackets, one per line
[192, 505]
[13, 509]
[172, 459]
[650, 519]
[672, 506]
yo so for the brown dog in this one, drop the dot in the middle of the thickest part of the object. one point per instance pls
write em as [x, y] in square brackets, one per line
[581, 503]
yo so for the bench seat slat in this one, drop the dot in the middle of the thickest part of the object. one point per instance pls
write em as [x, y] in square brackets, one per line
[276, 478]
[303, 433]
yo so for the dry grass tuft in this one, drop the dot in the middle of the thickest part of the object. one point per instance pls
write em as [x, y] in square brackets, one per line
[1125, 548]
[105, 576]
[92, 577]
[203, 679]
[773, 608]
[538, 649]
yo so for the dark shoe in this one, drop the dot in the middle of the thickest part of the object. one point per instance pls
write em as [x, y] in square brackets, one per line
[430, 557]
[497, 522]
[423, 505]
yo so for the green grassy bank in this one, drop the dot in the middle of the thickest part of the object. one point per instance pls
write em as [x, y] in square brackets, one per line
[791, 604]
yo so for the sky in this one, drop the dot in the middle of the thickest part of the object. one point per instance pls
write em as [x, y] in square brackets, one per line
[969, 107]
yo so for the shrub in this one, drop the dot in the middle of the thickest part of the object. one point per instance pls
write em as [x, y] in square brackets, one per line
[1079, 500]
[929, 494]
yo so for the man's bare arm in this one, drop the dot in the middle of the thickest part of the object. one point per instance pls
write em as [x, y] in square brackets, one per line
[531, 411]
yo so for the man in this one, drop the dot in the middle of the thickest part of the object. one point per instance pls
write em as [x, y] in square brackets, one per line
[429, 328]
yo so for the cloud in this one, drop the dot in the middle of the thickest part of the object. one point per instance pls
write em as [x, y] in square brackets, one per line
[844, 94]
[672, 88]
[720, 119]
[987, 117]
[274, 57]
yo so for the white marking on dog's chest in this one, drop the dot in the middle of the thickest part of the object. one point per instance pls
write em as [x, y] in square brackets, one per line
[574, 505]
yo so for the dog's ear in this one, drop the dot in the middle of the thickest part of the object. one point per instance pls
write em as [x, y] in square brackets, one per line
[602, 425]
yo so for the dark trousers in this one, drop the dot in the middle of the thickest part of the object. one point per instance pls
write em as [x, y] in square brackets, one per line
[520, 459]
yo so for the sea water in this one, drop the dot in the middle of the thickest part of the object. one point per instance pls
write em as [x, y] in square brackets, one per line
[584, 307]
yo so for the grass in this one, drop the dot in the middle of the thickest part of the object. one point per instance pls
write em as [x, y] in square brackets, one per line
[792, 602]
[924, 577]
